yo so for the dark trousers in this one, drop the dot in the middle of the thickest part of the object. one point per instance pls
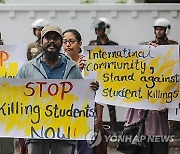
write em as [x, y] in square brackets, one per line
[155, 148]
[83, 147]
[112, 113]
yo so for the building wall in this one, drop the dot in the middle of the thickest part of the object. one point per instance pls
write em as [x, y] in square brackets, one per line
[62, 1]
[130, 23]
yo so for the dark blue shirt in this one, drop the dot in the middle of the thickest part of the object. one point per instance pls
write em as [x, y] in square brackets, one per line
[57, 72]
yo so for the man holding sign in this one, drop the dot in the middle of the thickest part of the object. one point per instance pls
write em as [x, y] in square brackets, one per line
[51, 64]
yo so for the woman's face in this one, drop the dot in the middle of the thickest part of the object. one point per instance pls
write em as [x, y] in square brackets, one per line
[70, 44]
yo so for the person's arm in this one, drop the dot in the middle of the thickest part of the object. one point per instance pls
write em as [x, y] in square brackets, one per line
[99, 122]
[99, 108]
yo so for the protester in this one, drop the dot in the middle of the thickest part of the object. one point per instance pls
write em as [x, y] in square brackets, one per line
[51, 64]
[35, 48]
[72, 42]
[156, 122]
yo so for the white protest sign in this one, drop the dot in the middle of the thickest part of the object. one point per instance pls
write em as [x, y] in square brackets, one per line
[56, 109]
[136, 76]
[12, 57]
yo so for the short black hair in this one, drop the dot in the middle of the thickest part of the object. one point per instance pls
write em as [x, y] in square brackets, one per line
[75, 32]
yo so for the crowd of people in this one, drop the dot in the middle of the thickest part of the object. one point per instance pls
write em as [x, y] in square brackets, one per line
[46, 60]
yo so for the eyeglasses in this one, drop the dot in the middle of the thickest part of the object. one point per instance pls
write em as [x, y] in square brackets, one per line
[71, 41]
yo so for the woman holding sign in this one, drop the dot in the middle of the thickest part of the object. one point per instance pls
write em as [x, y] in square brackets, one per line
[156, 130]
[72, 46]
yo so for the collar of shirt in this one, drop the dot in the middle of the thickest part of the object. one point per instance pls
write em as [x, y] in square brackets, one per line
[57, 72]
[163, 41]
[62, 60]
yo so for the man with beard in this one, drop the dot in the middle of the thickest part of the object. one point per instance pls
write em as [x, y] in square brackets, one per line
[51, 64]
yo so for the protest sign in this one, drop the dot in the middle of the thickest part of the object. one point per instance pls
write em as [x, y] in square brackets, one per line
[58, 109]
[137, 76]
[12, 58]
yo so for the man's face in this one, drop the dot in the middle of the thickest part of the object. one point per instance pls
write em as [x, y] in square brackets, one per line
[100, 32]
[51, 44]
[38, 32]
[160, 32]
